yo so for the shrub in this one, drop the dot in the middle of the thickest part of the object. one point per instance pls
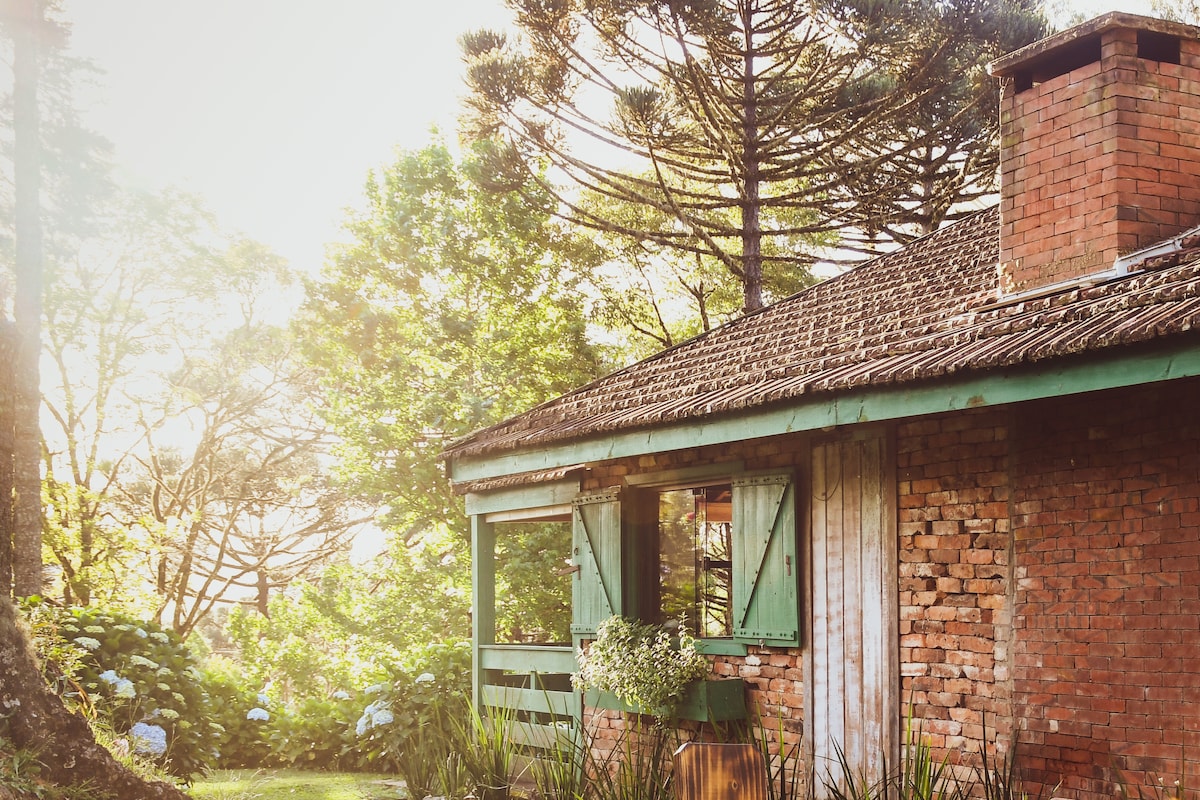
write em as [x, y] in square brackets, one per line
[138, 679]
[242, 738]
[406, 725]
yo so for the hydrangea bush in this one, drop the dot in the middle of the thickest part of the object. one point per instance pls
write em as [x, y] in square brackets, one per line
[138, 679]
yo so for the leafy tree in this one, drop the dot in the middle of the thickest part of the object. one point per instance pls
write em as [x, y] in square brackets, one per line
[1179, 10]
[749, 120]
[248, 504]
[118, 315]
[452, 308]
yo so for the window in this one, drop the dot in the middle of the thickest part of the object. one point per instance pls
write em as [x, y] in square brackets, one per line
[723, 554]
[695, 558]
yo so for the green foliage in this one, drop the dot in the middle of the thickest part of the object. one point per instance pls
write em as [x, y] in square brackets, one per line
[338, 630]
[451, 309]
[635, 767]
[645, 665]
[242, 742]
[408, 724]
[142, 682]
[315, 733]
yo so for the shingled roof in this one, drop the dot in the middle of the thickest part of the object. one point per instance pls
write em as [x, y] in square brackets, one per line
[927, 311]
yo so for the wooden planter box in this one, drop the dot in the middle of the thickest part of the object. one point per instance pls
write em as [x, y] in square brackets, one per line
[705, 701]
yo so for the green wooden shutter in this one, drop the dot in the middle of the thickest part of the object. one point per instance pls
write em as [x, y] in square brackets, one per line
[596, 551]
[766, 573]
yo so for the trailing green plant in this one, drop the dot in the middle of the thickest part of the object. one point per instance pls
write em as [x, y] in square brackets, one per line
[646, 666]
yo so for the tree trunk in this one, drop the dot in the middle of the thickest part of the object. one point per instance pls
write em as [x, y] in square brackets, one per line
[7, 347]
[27, 300]
[35, 719]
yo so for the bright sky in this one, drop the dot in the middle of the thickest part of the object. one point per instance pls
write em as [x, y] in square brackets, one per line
[275, 110]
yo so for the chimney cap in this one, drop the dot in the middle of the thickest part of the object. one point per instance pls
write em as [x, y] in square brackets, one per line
[1008, 65]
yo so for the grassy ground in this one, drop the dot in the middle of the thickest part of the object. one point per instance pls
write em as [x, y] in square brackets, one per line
[292, 784]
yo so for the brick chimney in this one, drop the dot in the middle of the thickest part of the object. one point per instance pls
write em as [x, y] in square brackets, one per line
[1100, 147]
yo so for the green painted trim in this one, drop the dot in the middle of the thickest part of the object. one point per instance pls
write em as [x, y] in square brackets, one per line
[515, 498]
[528, 658]
[721, 647]
[823, 412]
[684, 475]
[705, 701]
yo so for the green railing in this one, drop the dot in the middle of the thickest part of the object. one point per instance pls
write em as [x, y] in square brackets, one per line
[531, 685]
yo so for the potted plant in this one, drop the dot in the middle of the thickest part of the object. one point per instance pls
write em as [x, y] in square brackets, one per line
[653, 669]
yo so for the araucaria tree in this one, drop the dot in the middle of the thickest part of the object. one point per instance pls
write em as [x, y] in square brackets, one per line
[752, 127]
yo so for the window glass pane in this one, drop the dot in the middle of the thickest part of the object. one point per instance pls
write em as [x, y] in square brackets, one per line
[695, 571]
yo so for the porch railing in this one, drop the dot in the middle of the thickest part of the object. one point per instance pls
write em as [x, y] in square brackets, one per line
[531, 686]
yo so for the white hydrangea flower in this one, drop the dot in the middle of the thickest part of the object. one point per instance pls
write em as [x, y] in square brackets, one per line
[95, 629]
[426, 677]
[159, 636]
[142, 661]
[125, 688]
[88, 643]
[341, 695]
[109, 676]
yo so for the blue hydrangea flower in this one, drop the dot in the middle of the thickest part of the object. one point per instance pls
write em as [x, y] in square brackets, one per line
[258, 713]
[382, 717]
[263, 699]
[109, 676]
[125, 688]
[341, 695]
[148, 739]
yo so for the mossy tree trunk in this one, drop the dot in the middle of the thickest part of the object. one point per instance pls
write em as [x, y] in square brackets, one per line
[33, 718]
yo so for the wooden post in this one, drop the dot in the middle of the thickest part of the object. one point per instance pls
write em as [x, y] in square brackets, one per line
[483, 594]
[706, 771]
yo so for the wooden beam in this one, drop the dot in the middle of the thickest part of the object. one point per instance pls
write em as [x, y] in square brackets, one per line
[483, 598]
[824, 412]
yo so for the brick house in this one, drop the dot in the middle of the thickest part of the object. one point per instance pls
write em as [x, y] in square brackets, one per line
[965, 475]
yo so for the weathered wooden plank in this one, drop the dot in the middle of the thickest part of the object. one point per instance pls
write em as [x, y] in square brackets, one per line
[528, 658]
[705, 771]
[818, 695]
[516, 698]
[855, 742]
[835, 576]
[877, 714]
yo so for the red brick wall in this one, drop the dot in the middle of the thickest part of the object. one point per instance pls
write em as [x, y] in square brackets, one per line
[1106, 659]
[1098, 162]
[953, 550]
